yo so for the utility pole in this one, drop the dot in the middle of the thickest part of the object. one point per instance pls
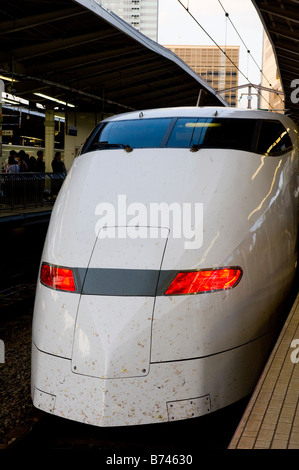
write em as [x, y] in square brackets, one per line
[250, 94]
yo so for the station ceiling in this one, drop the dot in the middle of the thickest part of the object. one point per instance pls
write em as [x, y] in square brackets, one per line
[281, 19]
[77, 52]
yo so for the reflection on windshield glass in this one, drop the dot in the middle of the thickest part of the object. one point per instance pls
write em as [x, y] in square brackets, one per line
[266, 137]
[213, 133]
[136, 133]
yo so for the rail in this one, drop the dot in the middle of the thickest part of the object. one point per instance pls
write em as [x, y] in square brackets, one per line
[25, 190]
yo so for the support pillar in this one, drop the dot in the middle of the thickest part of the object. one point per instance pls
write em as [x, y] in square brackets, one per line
[49, 138]
[70, 150]
[84, 122]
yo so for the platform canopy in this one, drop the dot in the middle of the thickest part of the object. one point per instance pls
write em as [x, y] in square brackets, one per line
[281, 21]
[81, 54]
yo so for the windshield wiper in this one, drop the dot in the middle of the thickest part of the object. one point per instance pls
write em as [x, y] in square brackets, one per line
[195, 147]
[107, 145]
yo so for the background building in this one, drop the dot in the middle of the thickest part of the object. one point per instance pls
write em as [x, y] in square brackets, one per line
[142, 14]
[270, 75]
[213, 66]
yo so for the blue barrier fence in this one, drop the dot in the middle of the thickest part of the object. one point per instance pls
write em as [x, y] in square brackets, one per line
[22, 190]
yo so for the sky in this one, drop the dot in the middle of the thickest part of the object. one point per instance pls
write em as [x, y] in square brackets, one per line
[176, 27]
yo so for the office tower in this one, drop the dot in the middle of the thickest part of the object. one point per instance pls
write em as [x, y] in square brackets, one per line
[142, 14]
[270, 76]
[213, 66]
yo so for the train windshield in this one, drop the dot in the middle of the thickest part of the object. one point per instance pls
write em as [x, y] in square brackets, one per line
[140, 133]
[267, 137]
[273, 139]
[213, 133]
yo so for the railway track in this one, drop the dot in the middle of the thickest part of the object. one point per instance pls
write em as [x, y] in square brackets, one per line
[211, 432]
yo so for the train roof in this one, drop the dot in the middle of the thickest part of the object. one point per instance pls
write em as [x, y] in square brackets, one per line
[204, 111]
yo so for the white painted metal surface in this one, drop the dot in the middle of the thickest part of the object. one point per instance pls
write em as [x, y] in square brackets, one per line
[111, 357]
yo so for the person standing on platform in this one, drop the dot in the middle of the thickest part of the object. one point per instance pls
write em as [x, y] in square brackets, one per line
[59, 171]
[23, 161]
[32, 164]
[40, 164]
[57, 164]
[40, 167]
[12, 166]
[10, 190]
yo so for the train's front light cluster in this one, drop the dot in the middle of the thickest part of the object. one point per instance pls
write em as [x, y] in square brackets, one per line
[57, 277]
[205, 280]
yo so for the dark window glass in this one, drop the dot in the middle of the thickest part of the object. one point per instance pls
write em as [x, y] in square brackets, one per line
[222, 133]
[183, 132]
[147, 133]
[213, 133]
[273, 139]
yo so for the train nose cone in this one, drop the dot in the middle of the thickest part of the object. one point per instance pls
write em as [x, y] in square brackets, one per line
[113, 326]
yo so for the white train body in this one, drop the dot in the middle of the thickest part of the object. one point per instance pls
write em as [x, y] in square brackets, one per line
[115, 341]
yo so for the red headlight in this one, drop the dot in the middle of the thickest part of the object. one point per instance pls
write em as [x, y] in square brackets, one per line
[206, 280]
[58, 277]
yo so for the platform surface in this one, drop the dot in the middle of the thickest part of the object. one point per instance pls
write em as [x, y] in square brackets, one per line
[271, 419]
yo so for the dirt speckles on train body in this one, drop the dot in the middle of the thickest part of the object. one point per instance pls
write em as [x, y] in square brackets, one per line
[155, 327]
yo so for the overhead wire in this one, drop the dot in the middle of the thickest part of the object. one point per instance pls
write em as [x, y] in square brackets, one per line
[221, 49]
[248, 50]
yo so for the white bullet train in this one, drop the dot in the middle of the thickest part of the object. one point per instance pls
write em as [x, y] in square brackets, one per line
[171, 248]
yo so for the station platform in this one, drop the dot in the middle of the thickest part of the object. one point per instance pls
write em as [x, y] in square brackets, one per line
[30, 213]
[271, 418]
